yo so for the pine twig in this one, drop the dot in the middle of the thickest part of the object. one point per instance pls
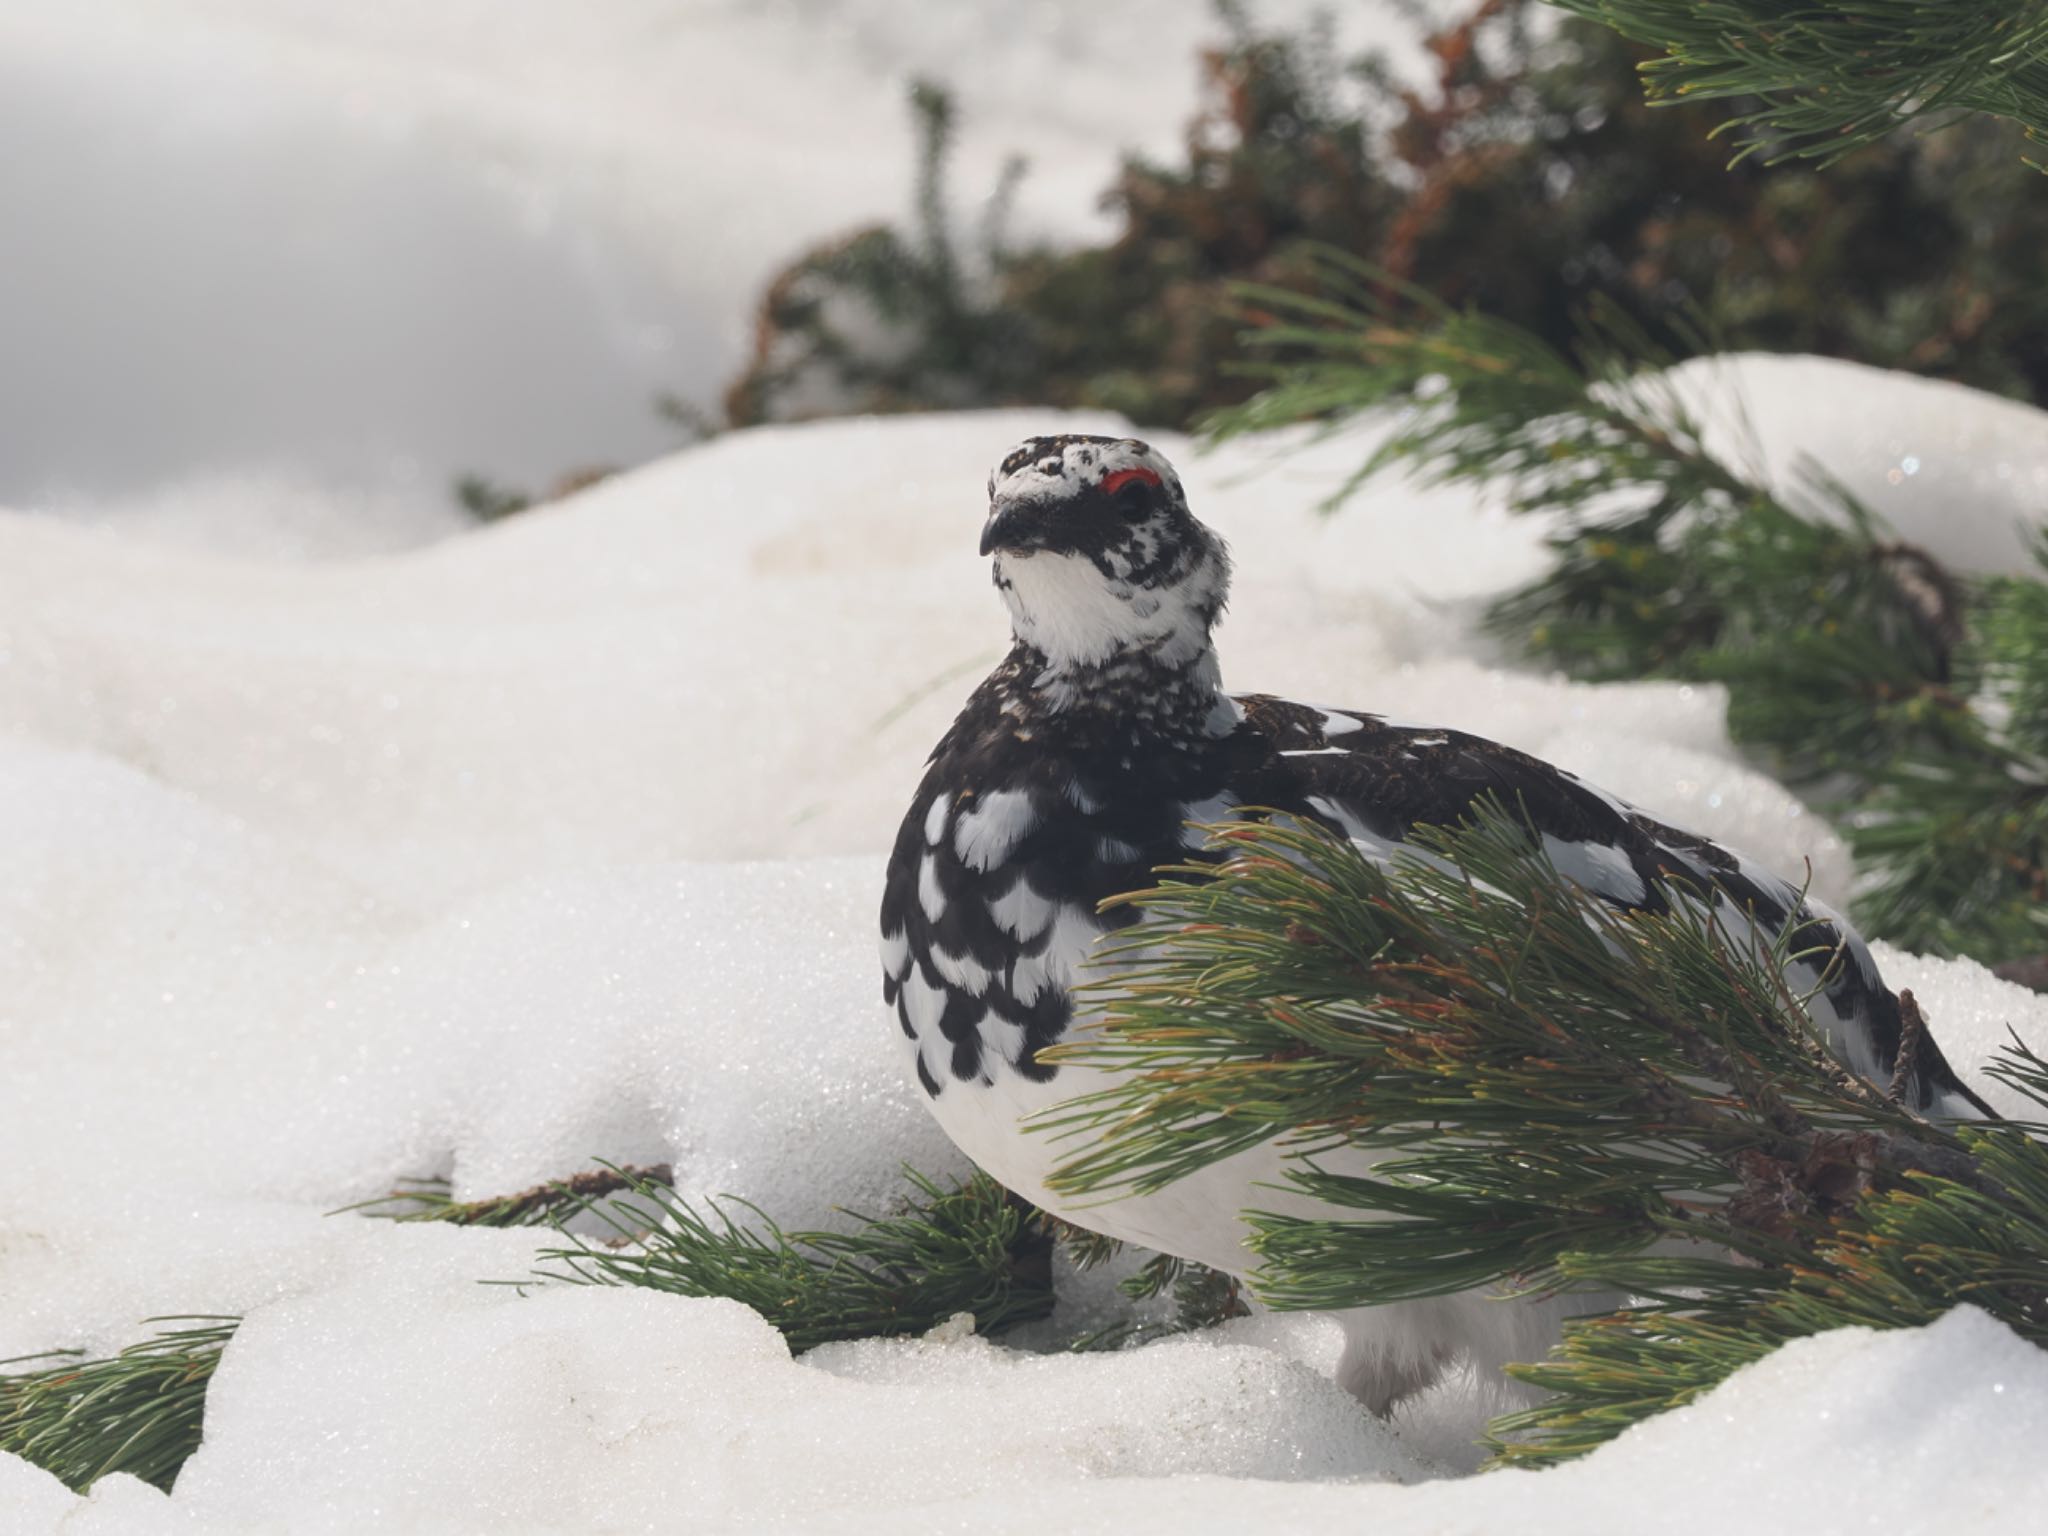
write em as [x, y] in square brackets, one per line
[1904, 701]
[2028, 971]
[1936, 601]
[542, 1205]
[1545, 1092]
[1912, 1028]
[1835, 78]
[969, 1247]
[137, 1412]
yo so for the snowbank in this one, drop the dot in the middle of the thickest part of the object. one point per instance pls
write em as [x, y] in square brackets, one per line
[560, 840]
[422, 1402]
[773, 624]
[619, 1405]
[1959, 472]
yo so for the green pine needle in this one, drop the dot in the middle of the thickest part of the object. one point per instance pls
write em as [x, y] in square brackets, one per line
[968, 1247]
[429, 1199]
[1835, 78]
[136, 1412]
[1555, 1096]
[1904, 701]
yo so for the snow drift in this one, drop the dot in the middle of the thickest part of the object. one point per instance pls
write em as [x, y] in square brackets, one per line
[561, 840]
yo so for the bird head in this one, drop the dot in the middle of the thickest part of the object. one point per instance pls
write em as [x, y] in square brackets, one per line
[1097, 554]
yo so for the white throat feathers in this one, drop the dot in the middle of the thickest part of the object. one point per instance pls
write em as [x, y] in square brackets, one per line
[1100, 561]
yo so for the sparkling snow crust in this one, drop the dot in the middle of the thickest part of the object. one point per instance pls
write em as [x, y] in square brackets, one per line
[322, 876]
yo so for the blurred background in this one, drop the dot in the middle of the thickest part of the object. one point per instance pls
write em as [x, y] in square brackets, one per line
[295, 279]
[278, 275]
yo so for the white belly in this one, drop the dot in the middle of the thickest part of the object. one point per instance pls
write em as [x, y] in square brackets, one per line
[1391, 1351]
[1199, 1217]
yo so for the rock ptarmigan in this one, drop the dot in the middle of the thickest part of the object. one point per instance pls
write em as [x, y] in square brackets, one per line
[1075, 770]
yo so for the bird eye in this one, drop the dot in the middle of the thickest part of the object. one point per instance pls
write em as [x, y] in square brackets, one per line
[1129, 490]
[1129, 486]
[1123, 477]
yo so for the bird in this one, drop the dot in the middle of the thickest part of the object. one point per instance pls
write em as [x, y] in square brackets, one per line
[1098, 750]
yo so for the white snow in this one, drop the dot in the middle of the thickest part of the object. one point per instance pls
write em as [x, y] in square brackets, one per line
[639, 1404]
[319, 876]
[406, 1395]
[1959, 472]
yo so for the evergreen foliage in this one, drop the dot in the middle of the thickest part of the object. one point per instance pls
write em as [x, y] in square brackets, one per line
[543, 1205]
[1556, 1095]
[881, 320]
[136, 1412]
[968, 1247]
[922, 333]
[1834, 78]
[1202, 1297]
[1899, 697]
[1528, 178]
[487, 501]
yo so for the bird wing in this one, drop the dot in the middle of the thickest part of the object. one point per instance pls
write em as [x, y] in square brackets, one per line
[1374, 780]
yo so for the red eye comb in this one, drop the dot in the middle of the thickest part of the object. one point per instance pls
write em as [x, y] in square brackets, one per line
[1111, 484]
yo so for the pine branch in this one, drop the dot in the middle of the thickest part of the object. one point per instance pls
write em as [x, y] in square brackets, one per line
[542, 1205]
[1904, 701]
[1202, 1297]
[1902, 1259]
[1836, 78]
[1515, 1086]
[2028, 971]
[1085, 1249]
[1953, 834]
[966, 1248]
[137, 1412]
[488, 501]
[1295, 142]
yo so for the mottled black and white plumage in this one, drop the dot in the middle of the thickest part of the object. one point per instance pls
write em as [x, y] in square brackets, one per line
[1075, 770]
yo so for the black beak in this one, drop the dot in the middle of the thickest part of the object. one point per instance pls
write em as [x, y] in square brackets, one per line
[1019, 525]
